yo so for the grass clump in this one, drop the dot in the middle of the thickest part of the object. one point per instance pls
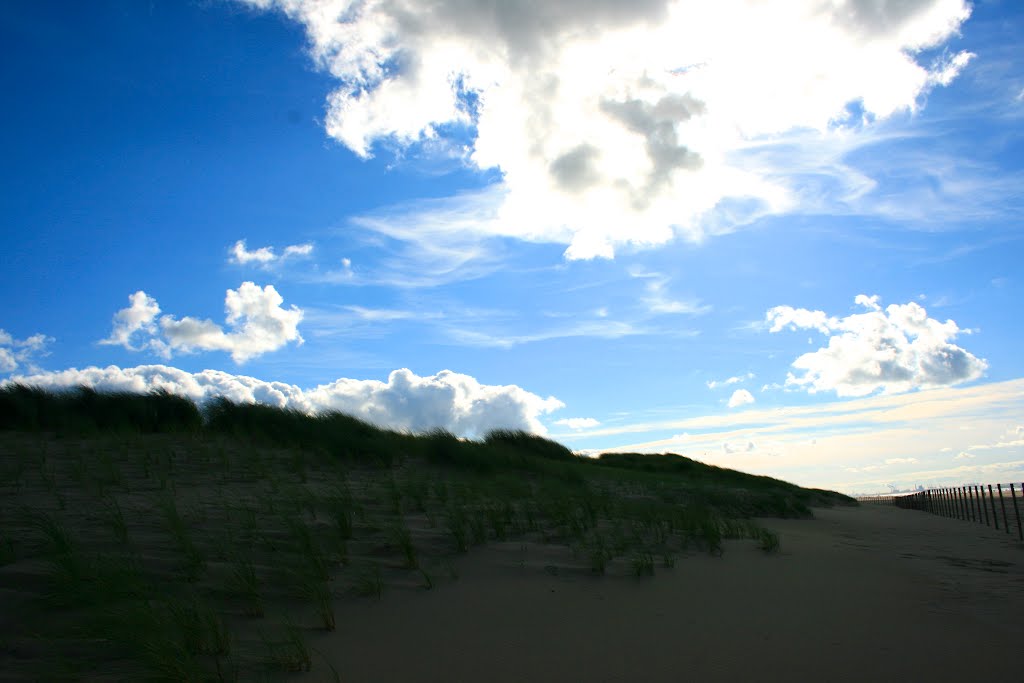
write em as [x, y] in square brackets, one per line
[369, 582]
[244, 582]
[289, 652]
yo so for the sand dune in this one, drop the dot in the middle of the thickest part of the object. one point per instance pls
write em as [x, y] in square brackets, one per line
[868, 593]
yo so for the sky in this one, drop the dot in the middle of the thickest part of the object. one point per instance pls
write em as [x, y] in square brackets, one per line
[778, 237]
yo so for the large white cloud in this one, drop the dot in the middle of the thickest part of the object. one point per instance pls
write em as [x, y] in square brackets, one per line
[256, 322]
[893, 350]
[620, 122]
[448, 399]
[19, 354]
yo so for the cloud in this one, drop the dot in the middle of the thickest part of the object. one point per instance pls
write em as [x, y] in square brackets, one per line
[814, 444]
[577, 422]
[19, 354]
[389, 314]
[740, 397]
[714, 384]
[949, 67]
[265, 256]
[431, 242]
[657, 299]
[406, 401]
[140, 316]
[893, 350]
[255, 320]
[949, 406]
[738, 447]
[614, 123]
[889, 462]
[599, 329]
[787, 317]
[964, 455]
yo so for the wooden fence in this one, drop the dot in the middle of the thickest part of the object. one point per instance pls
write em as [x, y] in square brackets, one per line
[971, 503]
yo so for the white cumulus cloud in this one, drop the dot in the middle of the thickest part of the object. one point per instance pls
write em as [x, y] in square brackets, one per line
[139, 316]
[893, 350]
[266, 256]
[19, 354]
[740, 397]
[407, 401]
[256, 324]
[615, 122]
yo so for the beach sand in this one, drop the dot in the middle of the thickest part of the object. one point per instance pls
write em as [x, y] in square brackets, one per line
[869, 593]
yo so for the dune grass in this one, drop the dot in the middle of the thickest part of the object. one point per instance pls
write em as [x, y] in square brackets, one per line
[146, 539]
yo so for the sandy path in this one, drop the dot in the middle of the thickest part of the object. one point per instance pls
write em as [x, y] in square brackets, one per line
[870, 593]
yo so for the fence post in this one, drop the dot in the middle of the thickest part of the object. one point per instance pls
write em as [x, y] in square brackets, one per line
[1002, 504]
[992, 502]
[977, 502]
[961, 509]
[1016, 511]
[984, 507]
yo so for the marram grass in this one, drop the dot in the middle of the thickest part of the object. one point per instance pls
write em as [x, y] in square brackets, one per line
[187, 543]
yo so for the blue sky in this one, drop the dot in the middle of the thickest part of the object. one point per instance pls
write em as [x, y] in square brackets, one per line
[783, 239]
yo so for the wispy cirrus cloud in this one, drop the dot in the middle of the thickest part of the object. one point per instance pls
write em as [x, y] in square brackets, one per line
[843, 444]
[737, 379]
[599, 328]
[968, 403]
[577, 423]
[657, 298]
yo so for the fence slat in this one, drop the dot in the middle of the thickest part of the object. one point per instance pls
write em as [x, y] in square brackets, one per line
[992, 502]
[1016, 511]
[984, 507]
[1002, 504]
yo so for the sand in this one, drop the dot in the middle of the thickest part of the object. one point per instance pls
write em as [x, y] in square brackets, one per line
[870, 593]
